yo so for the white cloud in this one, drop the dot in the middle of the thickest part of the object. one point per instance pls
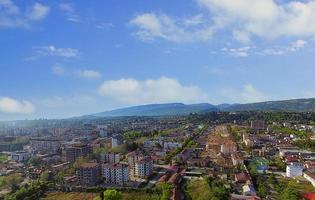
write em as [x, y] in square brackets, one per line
[271, 51]
[13, 106]
[11, 15]
[251, 94]
[281, 50]
[162, 90]
[266, 19]
[152, 26]
[244, 19]
[55, 51]
[237, 52]
[69, 11]
[61, 70]
[38, 12]
[66, 7]
[241, 36]
[89, 74]
[247, 94]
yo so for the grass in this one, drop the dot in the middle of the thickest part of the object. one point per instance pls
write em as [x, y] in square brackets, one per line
[69, 196]
[199, 190]
[3, 158]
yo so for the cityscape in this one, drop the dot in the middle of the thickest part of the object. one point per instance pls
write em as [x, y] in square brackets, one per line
[157, 100]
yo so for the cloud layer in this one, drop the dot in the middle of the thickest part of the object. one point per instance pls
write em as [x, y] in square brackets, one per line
[11, 15]
[243, 19]
[153, 25]
[130, 91]
[13, 106]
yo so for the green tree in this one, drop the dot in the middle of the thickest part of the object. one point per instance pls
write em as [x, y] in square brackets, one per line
[112, 195]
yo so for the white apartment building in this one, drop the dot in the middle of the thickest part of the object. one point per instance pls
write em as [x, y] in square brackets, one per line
[294, 169]
[110, 157]
[117, 174]
[144, 167]
[20, 156]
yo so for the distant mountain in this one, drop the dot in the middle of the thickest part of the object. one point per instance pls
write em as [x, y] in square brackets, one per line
[298, 105]
[158, 110]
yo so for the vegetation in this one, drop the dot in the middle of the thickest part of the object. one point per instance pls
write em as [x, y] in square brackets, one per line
[69, 196]
[132, 135]
[3, 158]
[35, 191]
[207, 189]
[307, 144]
[112, 195]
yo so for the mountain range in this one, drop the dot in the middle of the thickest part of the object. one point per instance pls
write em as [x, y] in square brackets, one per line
[169, 109]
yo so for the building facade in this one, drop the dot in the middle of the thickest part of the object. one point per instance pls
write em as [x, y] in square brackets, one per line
[89, 174]
[144, 168]
[76, 151]
[110, 157]
[117, 174]
[294, 169]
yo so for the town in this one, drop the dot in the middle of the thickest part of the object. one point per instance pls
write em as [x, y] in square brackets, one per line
[216, 155]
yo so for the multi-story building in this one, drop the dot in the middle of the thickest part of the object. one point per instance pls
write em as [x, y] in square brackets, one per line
[76, 151]
[110, 157]
[115, 173]
[103, 130]
[45, 145]
[20, 156]
[89, 174]
[294, 169]
[134, 157]
[144, 167]
[116, 141]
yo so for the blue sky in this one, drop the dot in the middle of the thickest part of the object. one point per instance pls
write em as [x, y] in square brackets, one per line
[68, 58]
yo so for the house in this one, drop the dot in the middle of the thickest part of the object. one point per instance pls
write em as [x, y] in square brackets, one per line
[242, 178]
[294, 169]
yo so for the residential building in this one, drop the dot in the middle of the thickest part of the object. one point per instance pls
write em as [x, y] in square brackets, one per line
[110, 157]
[133, 158]
[294, 169]
[45, 145]
[20, 156]
[116, 141]
[115, 173]
[76, 151]
[89, 174]
[144, 167]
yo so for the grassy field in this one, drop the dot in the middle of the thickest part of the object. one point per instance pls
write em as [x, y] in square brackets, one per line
[69, 196]
[3, 158]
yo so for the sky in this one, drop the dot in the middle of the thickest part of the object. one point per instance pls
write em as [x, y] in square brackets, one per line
[60, 59]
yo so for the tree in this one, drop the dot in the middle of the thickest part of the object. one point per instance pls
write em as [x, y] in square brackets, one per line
[44, 176]
[13, 181]
[112, 194]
